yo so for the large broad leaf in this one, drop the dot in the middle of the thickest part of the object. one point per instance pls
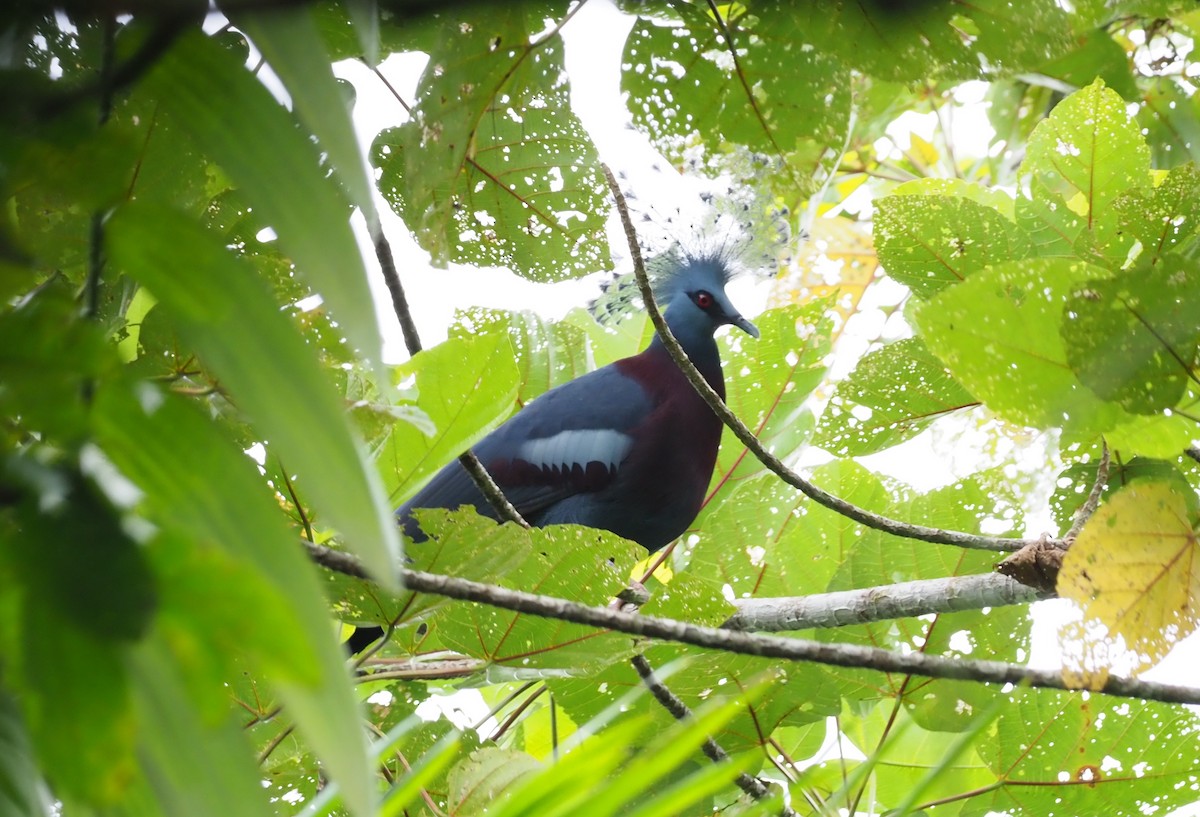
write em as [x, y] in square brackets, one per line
[226, 313]
[1171, 119]
[1132, 339]
[494, 168]
[196, 483]
[256, 142]
[1135, 570]
[1000, 634]
[1085, 155]
[684, 81]
[548, 353]
[458, 391]
[892, 395]
[1102, 755]
[768, 539]
[578, 564]
[904, 751]
[936, 40]
[1165, 216]
[931, 242]
[769, 380]
[798, 693]
[998, 334]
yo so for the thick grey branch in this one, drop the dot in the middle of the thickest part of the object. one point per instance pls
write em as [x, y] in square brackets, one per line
[791, 649]
[915, 598]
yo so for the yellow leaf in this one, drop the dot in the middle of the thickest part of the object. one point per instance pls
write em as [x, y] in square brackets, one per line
[1135, 571]
[923, 149]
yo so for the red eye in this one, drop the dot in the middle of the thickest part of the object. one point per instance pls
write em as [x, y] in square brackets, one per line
[703, 299]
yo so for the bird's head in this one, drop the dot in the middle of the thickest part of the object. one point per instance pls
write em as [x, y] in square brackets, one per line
[692, 289]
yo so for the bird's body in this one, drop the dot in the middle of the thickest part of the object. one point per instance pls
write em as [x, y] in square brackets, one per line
[628, 448]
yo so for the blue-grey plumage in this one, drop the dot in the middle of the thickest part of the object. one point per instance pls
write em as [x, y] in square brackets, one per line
[628, 448]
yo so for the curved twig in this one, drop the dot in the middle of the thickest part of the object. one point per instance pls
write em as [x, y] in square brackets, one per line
[680, 711]
[1093, 500]
[746, 436]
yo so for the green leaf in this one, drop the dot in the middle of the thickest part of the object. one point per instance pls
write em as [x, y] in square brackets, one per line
[223, 310]
[488, 775]
[456, 393]
[196, 481]
[571, 562]
[683, 85]
[1132, 339]
[256, 142]
[769, 380]
[494, 168]
[998, 334]
[1086, 154]
[547, 353]
[893, 394]
[75, 694]
[931, 242]
[22, 791]
[1000, 634]
[1171, 118]
[768, 539]
[1166, 216]
[935, 40]
[1097, 54]
[197, 769]
[292, 46]
[77, 556]
[1104, 755]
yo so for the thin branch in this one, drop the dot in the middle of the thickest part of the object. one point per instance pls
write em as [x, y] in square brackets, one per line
[903, 600]
[773, 463]
[679, 710]
[474, 468]
[517, 712]
[413, 670]
[1093, 500]
[792, 649]
[291, 489]
[495, 710]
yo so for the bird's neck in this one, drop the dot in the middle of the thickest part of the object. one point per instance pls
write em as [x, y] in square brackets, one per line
[695, 335]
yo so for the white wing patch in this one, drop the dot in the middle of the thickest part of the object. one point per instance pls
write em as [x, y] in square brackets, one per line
[579, 447]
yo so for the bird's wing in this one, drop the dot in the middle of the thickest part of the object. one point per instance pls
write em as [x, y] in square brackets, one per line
[570, 440]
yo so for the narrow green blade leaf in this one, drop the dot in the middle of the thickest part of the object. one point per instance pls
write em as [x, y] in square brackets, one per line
[22, 793]
[225, 312]
[196, 769]
[292, 46]
[276, 168]
[195, 480]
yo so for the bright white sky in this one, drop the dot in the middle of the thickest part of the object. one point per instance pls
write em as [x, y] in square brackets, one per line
[594, 40]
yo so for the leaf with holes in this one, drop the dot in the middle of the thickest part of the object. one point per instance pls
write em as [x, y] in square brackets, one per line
[1133, 339]
[494, 168]
[1135, 570]
[892, 395]
[570, 562]
[768, 382]
[1082, 158]
[931, 242]
[1165, 216]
